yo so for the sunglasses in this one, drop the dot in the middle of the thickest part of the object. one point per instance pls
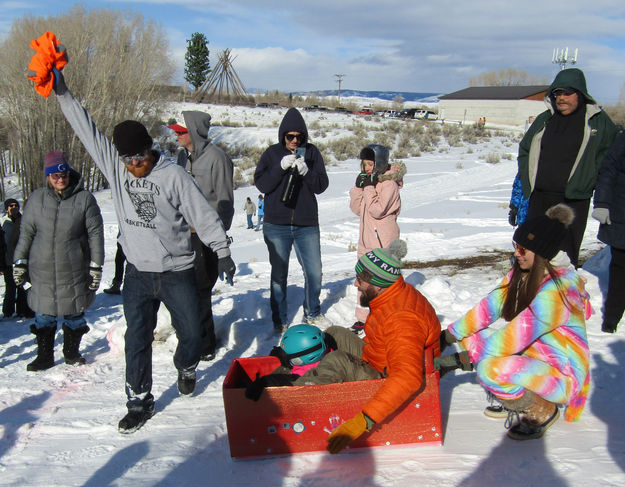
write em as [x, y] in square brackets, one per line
[59, 175]
[299, 137]
[137, 157]
[519, 248]
[562, 92]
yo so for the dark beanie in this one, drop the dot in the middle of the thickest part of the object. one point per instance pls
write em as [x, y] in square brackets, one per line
[131, 137]
[55, 161]
[384, 265]
[544, 234]
[10, 201]
[367, 154]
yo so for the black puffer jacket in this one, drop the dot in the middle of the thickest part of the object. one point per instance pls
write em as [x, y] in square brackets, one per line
[60, 235]
[610, 193]
[269, 178]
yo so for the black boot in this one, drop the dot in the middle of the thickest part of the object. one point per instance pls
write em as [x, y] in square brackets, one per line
[71, 342]
[115, 287]
[45, 348]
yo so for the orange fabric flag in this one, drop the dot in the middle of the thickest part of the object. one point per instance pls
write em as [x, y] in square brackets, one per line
[50, 53]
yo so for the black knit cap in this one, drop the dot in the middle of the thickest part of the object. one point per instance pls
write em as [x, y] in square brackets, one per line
[367, 154]
[544, 234]
[10, 201]
[131, 137]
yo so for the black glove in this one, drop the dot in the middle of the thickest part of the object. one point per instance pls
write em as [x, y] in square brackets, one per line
[512, 215]
[255, 389]
[20, 274]
[59, 81]
[226, 266]
[447, 339]
[360, 179]
[96, 278]
[371, 180]
[281, 355]
[447, 363]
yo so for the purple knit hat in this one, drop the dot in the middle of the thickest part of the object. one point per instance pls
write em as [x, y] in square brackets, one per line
[55, 162]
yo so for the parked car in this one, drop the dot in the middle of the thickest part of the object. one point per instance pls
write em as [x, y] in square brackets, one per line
[341, 110]
[408, 113]
[262, 105]
[364, 111]
[312, 107]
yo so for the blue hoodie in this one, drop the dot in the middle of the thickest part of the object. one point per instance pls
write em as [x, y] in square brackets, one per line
[269, 177]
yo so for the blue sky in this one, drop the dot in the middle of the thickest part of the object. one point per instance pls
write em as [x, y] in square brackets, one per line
[418, 45]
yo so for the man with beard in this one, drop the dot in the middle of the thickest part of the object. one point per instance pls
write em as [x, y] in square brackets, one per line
[560, 154]
[400, 326]
[157, 203]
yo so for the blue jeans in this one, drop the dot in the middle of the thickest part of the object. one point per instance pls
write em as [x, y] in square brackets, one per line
[260, 221]
[73, 321]
[250, 223]
[279, 240]
[142, 294]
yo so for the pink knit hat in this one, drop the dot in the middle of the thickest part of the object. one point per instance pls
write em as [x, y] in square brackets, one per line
[55, 162]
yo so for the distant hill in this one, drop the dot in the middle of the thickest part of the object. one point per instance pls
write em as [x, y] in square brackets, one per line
[383, 95]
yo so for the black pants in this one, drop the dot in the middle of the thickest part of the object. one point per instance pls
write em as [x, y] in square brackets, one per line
[541, 201]
[206, 276]
[14, 297]
[120, 260]
[615, 302]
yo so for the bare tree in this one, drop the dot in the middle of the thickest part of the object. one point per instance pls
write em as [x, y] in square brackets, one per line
[116, 61]
[507, 77]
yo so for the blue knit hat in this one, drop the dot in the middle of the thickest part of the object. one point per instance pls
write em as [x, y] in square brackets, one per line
[382, 266]
[55, 162]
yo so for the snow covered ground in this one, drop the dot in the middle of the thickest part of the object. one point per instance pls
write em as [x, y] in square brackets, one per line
[59, 427]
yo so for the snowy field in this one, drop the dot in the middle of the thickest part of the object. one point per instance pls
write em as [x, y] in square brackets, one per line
[59, 427]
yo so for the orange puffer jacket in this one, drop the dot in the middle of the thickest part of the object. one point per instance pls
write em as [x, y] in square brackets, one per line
[401, 325]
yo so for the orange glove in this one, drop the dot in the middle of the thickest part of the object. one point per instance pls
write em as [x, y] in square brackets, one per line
[50, 53]
[346, 433]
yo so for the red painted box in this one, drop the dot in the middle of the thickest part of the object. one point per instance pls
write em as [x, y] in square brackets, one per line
[298, 419]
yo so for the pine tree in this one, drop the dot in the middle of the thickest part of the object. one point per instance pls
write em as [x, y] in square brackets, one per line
[197, 65]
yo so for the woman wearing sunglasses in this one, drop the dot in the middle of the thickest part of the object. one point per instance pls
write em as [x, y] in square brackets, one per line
[538, 359]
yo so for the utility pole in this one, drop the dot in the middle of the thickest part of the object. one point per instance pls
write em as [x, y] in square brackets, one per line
[561, 57]
[339, 79]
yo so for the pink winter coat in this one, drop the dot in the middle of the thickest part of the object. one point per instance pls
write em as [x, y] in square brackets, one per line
[378, 207]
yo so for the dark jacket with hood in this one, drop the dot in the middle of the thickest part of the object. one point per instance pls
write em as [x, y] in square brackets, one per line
[61, 235]
[599, 133]
[210, 166]
[269, 178]
[610, 194]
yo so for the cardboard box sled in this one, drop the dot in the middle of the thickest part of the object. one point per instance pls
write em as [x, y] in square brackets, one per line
[298, 419]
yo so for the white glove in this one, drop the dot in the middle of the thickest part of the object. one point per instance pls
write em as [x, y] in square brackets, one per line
[287, 162]
[302, 167]
[602, 215]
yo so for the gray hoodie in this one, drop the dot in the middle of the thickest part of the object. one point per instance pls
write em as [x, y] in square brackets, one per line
[155, 212]
[210, 166]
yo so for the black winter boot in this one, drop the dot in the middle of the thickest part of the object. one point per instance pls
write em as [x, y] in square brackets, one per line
[71, 342]
[45, 348]
[115, 287]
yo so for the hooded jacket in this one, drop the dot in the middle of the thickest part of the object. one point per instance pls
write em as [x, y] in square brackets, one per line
[210, 166]
[269, 178]
[599, 133]
[547, 330]
[61, 235]
[610, 194]
[378, 208]
[155, 212]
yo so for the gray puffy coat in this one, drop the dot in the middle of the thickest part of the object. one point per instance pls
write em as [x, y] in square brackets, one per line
[60, 235]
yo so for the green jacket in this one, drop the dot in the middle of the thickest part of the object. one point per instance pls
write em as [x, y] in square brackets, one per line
[599, 133]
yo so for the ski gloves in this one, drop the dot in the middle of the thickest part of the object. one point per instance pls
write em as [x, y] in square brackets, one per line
[44, 65]
[291, 161]
[227, 268]
[602, 215]
[96, 277]
[348, 432]
[364, 179]
[20, 274]
[255, 389]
